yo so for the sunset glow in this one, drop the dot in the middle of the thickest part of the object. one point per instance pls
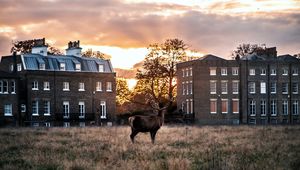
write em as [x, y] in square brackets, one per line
[124, 29]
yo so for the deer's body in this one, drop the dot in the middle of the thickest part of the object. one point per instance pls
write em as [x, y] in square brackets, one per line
[140, 123]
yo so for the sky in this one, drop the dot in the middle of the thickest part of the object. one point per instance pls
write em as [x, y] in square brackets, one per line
[124, 28]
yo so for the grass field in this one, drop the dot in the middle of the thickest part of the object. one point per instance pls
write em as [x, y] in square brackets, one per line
[208, 147]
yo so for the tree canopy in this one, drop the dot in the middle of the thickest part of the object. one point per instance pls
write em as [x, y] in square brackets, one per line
[95, 54]
[246, 49]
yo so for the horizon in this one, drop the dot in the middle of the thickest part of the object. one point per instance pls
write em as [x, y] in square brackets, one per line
[124, 30]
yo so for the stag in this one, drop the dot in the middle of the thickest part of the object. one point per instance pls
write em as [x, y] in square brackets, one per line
[143, 123]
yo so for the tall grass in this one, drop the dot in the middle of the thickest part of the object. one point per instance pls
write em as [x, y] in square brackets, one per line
[212, 147]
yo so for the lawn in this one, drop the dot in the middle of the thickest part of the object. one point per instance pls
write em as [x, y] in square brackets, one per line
[182, 147]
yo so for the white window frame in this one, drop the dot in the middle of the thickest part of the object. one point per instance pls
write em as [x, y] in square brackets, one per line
[11, 67]
[23, 108]
[285, 88]
[263, 88]
[192, 106]
[19, 67]
[1, 86]
[213, 71]
[109, 86]
[42, 66]
[273, 87]
[226, 102]
[263, 72]
[66, 124]
[191, 71]
[224, 71]
[285, 107]
[77, 67]
[100, 68]
[13, 87]
[215, 108]
[252, 72]
[295, 71]
[251, 87]
[224, 89]
[187, 106]
[295, 107]
[273, 72]
[35, 85]
[103, 111]
[81, 106]
[183, 88]
[235, 87]
[191, 87]
[46, 85]
[285, 71]
[66, 109]
[5, 86]
[213, 86]
[47, 108]
[62, 66]
[187, 72]
[252, 107]
[183, 73]
[81, 86]
[66, 86]
[187, 87]
[7, 110]
[295, 89]
[98, 86]
[238, 107]
[235, 71]
[263, 107]
[273, 108]
[35, 107]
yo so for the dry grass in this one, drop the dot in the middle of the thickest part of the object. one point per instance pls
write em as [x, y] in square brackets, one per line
[216, 147]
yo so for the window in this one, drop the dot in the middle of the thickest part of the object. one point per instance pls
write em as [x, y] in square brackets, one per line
[98, 86]
[192, 105]
[235, 71]
[273, 72]
[273, 87]
[81, 86]
[13, 87]
[223, 71]
[23, 108]
[42, 66]
[101, 68]
[19, 67]
[66, 86]
[47, 108]
[213, 106]
[191, 71]
[285, 71]
[11, 67]
[103, 110]
[263, 72]
[252, 72]
[263, 88]
[35, 108]
[273, 108]
[183, 73]
[109, 86]
[5, 86]
[295, 71]
[47, 124]
[7, 110]
[66, 124]
[251, 87]
[285, 110]
[191, 87]
[235, 105]
[183, 88]
[187, 87]
[62, 66]
[213, 87]
[263, 108]
[81, 109]
[212, 71]
[187, 106]
[252, 108]
[46, 85]
[295, 107]
[235, 87]
[295, 88]
[285, 88]
[224, 85]
[66, 109]
[1, 86]
[224, 105]
[77, 67]
[186, 72]
[35, 85]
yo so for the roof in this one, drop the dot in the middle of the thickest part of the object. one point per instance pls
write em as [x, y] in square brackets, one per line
[288, 57]
[52, 63]
[210, 57]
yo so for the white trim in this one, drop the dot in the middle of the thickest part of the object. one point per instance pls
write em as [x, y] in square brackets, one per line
[23, 63]
[222, 100]
[238, 106]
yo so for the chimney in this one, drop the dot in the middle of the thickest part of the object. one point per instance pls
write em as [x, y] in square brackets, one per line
[39, 47]
[74, 48]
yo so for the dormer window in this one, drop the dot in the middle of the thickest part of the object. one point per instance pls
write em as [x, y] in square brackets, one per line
[42, 66]
[77, 67]
[101, 68]
[19, 67]
[62, 66]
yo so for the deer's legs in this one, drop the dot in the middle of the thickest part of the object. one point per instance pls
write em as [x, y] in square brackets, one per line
[153, 133]
[133, 134]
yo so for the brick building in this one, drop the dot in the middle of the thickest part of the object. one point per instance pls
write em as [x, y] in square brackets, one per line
[261, 88]
[56, 89]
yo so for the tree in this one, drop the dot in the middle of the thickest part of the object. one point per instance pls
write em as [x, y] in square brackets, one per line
[122, 91]
[246, 49]
[25, 46]
[158, 74]
[95, 54]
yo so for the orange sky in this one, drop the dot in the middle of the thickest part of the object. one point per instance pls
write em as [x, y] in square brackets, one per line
[123, 29]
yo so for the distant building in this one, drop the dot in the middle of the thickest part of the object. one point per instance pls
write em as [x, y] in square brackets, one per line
[45, 90]
[261, 88]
